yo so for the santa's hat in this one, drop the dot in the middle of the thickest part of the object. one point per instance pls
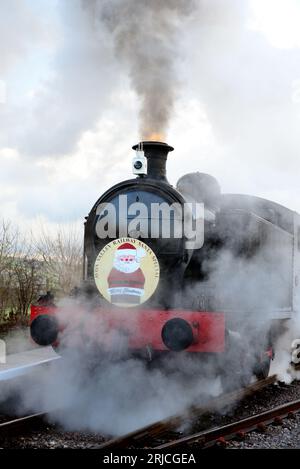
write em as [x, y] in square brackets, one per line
[127, 249]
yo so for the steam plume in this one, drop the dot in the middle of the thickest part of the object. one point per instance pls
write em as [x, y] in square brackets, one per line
[110, 394]
[145, 34]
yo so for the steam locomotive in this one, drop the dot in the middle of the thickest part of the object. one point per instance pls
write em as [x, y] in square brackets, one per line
[185, 270]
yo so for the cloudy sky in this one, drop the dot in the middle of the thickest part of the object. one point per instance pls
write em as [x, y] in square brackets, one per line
[70, 107]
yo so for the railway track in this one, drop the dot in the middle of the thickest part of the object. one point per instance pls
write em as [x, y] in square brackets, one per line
[152, 435]
[22, 425]
[238, 429]
[166, 434]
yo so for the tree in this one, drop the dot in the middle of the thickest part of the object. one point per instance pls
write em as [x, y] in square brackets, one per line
[61, 255]
[8, 253]
[30, 266]
[27, 282]
[20, 274]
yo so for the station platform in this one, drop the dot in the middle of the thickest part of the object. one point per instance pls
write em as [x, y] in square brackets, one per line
[21, 363]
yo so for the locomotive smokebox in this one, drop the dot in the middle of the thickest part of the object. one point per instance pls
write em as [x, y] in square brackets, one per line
[156, 154]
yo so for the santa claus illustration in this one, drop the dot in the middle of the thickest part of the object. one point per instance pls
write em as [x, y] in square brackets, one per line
[126, 279]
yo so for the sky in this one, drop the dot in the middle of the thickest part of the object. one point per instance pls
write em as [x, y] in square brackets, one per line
[70, 111]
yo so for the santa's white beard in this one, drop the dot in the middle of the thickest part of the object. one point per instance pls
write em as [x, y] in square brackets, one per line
[126, 268]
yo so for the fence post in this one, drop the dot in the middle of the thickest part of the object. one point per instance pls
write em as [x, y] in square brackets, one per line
[2, 352]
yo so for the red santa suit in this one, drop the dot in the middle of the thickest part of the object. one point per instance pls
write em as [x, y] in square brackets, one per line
[126, 280]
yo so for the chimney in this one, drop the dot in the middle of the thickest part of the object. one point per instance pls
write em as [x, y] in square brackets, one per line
[156, 154]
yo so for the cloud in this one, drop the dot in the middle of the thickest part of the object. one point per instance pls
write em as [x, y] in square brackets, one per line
[235, 115]
[244, 88]
[65, 188]
[50, 120]
[19, 29]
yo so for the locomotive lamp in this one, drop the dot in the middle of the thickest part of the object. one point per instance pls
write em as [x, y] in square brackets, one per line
[139, 162]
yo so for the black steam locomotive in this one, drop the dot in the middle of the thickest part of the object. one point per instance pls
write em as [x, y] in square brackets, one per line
[187, 270]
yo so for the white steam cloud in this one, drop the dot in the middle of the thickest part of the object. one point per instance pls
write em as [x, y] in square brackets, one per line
[109, 393]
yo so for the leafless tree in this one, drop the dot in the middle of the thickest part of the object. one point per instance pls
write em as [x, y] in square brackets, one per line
[8, 251]
[27, 278]
[31, 266]
[20, 274]
[8, 245]
[61, 255]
